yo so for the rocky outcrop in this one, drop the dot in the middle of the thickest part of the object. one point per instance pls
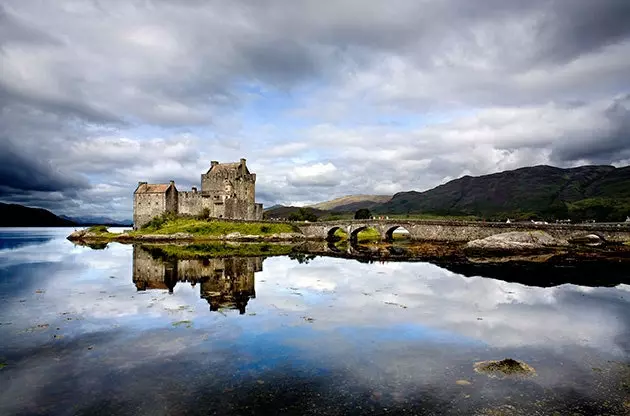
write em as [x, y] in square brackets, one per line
[516, 241]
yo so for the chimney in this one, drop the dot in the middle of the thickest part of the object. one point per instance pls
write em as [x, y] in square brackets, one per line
[172, 182]
[194, 189]
[213, 163]
[242, 161]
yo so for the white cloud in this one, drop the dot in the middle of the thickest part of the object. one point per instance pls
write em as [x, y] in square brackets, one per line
[318, 174]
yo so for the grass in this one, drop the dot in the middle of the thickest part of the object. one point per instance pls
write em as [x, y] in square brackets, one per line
[194, 251]
[101, 231]
[214, 228]
[369, 234]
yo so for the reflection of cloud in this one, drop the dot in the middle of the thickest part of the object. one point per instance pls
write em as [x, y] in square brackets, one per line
[404, 329]
[510, 314]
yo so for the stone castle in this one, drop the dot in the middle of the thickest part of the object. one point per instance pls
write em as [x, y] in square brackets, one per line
[228, 190]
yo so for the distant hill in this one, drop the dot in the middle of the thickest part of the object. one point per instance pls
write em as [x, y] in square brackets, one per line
[587, 192]
[352, 203]
[98, 221]
[14, 215]
[282, 212]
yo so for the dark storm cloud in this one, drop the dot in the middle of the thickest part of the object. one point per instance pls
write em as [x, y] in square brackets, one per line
[13, 29]
[577, 26]
[610, 143]
[22, 171]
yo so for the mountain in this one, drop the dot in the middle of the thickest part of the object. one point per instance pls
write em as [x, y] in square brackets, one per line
[586, 192]
[14, 215]
[352, 203]
[98, 221]
[272, 207]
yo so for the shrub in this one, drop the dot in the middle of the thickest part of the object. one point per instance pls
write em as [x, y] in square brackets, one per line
[362, 214]
[158, 222]
[303, 214]
[205, 214]
[98, 229]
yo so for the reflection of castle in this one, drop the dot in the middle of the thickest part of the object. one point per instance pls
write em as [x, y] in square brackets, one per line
[226, 283]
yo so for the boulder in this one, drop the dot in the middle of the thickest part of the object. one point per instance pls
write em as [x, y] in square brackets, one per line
[77, 235]
[590, 240]
[516, 241]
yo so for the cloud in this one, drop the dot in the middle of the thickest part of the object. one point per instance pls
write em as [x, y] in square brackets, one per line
[395, 96]
[319, 174]
[20, 172]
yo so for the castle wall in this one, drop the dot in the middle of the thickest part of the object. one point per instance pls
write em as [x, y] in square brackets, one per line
[146, 206]
[217, 208]
[189, 203]
[148, 273]
[171, 199]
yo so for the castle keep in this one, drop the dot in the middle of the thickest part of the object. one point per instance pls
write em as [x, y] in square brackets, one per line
[227, 191]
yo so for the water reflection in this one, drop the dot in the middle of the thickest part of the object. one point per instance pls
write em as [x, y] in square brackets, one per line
[100, 332]
[225, 283]
[13, 238]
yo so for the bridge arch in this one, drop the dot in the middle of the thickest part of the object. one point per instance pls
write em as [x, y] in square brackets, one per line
[354, 232]
[330, 235]
[389, 233]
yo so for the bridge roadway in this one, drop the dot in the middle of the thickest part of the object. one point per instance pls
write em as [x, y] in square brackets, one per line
[460, 231]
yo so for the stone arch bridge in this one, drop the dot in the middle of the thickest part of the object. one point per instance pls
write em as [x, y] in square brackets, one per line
[459, 231]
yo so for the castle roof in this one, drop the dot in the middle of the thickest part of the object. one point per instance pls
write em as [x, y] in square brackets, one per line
[152, 188]
[223, 167]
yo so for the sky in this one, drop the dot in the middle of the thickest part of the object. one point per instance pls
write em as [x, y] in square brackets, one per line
[323, 99]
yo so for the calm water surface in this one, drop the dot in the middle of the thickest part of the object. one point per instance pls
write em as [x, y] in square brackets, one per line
[116, 331]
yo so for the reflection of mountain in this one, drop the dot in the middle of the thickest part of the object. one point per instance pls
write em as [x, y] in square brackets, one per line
[226, 283]
[16, 239]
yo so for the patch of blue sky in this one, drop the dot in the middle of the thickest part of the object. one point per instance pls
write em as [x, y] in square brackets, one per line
[406, 332]
[272, 348]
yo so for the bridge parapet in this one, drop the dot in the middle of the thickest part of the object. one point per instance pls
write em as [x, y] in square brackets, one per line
[461, 231]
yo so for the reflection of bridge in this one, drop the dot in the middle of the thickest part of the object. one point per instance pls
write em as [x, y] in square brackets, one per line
[225, 283]
[458, 231]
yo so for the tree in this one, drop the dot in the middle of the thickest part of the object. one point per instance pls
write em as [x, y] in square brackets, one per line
[362, 214]
[303, 214]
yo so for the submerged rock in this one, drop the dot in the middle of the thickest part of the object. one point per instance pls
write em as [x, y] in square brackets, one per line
[589, 240]
[517, 240]
[504, 368]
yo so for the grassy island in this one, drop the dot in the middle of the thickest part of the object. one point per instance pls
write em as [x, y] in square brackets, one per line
[173, 225]
[177, 228]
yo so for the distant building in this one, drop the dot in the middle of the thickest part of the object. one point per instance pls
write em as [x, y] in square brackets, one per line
[228, 190]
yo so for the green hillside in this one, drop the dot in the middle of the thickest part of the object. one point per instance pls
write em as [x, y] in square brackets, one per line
[600, 193]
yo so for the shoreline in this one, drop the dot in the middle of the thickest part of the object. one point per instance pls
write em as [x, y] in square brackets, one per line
[90, 237]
